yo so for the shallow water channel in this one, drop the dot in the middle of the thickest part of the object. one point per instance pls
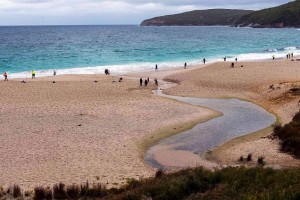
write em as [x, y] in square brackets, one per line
[239, 118]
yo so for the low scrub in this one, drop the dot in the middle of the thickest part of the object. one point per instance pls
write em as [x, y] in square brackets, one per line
[192, 184]
[290, 136]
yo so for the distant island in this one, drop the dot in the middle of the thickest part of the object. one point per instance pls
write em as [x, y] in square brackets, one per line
[286, 15]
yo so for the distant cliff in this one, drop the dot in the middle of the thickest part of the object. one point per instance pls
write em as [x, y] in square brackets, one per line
[198, 18]
[287, 15]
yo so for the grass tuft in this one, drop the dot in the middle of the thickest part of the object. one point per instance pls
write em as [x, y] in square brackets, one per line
[59, 191]
[249, 157]
[260, 160]
[16, 191]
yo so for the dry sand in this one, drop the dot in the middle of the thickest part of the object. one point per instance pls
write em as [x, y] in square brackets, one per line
[266, 83]
[77, 129]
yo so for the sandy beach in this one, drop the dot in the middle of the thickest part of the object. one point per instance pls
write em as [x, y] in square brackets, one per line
[83, 127]
[92, 127]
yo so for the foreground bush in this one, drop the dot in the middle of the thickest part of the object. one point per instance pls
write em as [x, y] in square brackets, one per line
[192, 184]
[290, 136]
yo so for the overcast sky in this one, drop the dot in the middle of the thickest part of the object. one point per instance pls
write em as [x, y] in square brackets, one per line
[64, 12]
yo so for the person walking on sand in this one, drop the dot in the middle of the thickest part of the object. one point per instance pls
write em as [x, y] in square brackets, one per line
[204, 60]
[5, 76]
[156, 67]
[146, 82]
[185, 65]
[141, 81]
[33, 74]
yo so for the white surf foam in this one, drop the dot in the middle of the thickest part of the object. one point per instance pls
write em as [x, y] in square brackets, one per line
[136, 67]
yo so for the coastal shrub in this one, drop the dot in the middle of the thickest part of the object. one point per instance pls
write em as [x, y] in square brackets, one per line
[194, 184]
[132, 183]
[16, 191]
[159, 173]
[73, 192]
[59, 191]
[84, 189]
[241, 159]
[260, 160]
[27, 193]
[41, 193]
[289, 134]
[249, 157]
[96, 191]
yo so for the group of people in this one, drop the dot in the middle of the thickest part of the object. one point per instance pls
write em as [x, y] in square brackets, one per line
[289, 56]
[225, 58]
[147, 81]
[6, 75]
[33, 73]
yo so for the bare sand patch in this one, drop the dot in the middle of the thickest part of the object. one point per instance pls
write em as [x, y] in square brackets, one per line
[82, 127]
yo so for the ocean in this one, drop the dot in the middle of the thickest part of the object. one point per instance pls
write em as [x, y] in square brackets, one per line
[131, 48]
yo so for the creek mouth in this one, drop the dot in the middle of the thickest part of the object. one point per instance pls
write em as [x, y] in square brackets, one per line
[185, 149]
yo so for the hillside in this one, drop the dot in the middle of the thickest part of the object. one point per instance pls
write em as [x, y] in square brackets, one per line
[198, 18]
[287, 15]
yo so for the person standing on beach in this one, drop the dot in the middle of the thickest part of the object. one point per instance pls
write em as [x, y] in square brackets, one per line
[146, 82]
[156, 81]
[156, 67]
[224, 58]
[5, 76]
[33, 74]
[54, 73]
[204, 60]
[184, 65]
[273, 57]
[235, 59]
[141, 81]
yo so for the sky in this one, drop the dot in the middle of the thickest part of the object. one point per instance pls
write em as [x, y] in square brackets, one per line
[90, 12]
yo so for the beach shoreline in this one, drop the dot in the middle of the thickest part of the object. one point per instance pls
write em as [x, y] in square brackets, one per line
[120, 70]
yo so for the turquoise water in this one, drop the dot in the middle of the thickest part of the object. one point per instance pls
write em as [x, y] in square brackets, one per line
[91, 49]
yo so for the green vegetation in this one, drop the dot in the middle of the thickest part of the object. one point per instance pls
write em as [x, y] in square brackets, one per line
[290, 136]
[198, 18]
[191, 184]
[287, 15]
